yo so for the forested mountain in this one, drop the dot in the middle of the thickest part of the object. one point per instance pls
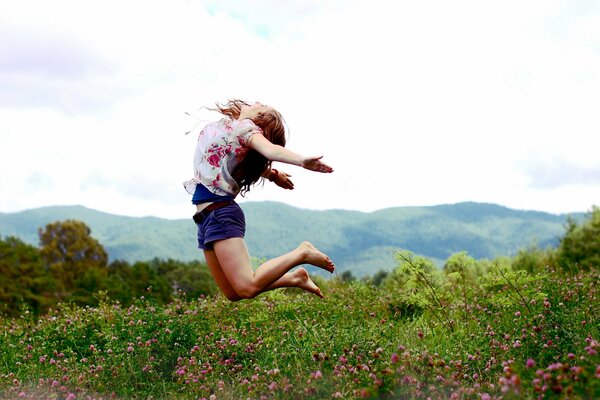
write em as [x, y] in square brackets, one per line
[356, 241]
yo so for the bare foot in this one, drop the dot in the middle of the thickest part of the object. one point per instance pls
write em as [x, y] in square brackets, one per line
[304, 282]
[311, 255]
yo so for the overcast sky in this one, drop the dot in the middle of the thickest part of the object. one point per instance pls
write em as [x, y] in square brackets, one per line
[412, 102]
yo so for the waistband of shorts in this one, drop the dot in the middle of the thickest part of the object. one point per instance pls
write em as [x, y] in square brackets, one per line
[205, 212]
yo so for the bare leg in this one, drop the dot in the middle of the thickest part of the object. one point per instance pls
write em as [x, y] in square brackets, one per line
[298, 278]
[215, 269]
[234, 261]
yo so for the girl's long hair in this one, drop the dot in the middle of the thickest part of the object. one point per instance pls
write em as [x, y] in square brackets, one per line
[250, 168]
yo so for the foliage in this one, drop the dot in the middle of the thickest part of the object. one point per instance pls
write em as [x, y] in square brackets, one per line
[377, 279]
[24, 281]
[580, 245]
[349, 345]
[361, 242]
[71, 266]
[533, 259]
[502, 328]
[70, 253]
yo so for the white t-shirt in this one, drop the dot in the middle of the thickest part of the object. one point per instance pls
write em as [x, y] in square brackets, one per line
[220, 146]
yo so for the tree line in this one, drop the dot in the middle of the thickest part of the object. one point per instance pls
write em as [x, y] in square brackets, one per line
[71, 266]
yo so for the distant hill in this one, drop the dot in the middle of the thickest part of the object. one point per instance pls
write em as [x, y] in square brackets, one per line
[356, 241]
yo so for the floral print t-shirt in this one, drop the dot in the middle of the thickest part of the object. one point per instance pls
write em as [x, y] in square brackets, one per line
[220, 147]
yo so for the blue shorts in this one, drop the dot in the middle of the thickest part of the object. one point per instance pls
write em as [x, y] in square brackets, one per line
[223, 223]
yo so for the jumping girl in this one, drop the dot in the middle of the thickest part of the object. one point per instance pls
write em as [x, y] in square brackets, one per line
[231, 156]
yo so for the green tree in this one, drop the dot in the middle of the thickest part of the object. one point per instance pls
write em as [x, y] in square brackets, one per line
[417, 283]
[464, 265]
[119, 276]
[69, 251]
[347, 276]
[408, 266]
[533, 259]
[145, 281]
[580, 246]
[378, 278]
[192, 278]
[462, 272]
[23, 277]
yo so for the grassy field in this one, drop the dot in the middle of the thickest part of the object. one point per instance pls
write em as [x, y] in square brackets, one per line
[509, 335]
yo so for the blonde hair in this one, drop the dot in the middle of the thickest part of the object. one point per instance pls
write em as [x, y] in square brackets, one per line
[253, 165]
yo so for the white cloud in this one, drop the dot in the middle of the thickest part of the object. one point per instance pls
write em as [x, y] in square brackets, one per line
[551, 173]
[412, 103]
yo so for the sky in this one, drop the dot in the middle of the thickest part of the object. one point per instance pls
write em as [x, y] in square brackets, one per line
[413, 103]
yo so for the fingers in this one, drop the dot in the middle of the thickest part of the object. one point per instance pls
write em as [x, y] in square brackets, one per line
[284, 181]
[322, 167]
[315, 164]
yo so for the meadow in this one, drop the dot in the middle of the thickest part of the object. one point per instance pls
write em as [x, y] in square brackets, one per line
[498, 333]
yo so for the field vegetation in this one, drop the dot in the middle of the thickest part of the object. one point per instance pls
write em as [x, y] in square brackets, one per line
[513, 327]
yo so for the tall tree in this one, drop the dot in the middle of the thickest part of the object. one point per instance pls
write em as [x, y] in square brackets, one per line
[580, 246]
[69, 251]
[23, 279]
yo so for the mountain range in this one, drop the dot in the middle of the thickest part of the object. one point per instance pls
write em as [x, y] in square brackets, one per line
[360, 242]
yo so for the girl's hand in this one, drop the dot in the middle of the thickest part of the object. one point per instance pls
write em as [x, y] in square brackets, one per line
[315, 164]
[281, 179]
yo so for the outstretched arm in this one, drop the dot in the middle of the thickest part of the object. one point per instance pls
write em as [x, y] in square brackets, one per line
[275, 152]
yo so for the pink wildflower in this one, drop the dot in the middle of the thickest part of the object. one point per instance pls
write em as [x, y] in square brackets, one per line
[576, 369]
[530, 363]
[555, 366]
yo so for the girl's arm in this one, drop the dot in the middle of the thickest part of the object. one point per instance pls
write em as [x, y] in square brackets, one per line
[274, 152]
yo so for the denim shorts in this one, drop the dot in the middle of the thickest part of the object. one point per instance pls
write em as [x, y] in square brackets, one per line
[223, 223]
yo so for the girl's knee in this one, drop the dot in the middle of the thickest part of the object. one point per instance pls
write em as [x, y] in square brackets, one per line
[233, 297]
[247, 291]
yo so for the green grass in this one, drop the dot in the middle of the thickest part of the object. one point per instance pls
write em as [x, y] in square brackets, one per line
[521, 337]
